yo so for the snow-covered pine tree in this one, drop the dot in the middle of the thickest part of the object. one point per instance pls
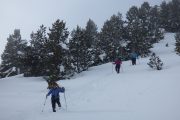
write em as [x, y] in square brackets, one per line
[135, 41]
[177, 44]
[12, 57]
[111, 37]
[1, 72]
[56, 48]
[164, 16]
[79, 50]
[143, 28]
[155, 62]
[75, 48]
[174, 15]
[170, 15]
[155, 31]
[137, 28]
[35, 59]
[146, 32]
[92, 43]
[91, 33]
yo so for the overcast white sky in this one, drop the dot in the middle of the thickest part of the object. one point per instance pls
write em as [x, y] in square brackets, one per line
[28, 15]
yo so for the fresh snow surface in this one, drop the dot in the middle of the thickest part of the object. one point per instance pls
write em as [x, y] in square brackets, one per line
[137, 93]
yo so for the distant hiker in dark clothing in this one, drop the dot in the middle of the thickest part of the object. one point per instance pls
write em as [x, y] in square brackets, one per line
[54, 91]
[167, 45]
[133, 57]
[118, 63]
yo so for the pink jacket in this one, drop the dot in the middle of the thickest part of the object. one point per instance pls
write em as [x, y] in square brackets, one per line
[118, 62]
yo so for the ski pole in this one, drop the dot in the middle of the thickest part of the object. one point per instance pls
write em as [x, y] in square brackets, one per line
[138, 61]
[44, 104]
[121, 68]
[130, 63]
[65, 100]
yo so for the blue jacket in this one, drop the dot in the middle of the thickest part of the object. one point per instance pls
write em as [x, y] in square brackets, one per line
[134, 55]
[55, 91]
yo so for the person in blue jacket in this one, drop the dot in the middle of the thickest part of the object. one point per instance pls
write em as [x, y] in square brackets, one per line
[133, 57]
[54, 92]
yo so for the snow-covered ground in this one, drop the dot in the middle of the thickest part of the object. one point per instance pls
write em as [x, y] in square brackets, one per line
[137, 93]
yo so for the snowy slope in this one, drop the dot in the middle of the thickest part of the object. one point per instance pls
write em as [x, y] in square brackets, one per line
[137, 93]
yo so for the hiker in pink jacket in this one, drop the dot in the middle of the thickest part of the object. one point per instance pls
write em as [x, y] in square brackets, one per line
[118, 63]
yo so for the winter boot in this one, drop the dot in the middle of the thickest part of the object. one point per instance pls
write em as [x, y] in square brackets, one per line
[59, 105]
[54, 110]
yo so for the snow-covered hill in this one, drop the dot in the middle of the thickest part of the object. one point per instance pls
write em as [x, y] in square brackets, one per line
[137, 93]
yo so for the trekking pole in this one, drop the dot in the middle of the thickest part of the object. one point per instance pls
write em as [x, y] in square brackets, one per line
[130, 63]
[112, 67]
[65, 100]
[44, 104]
[121, 68]
[138, 61]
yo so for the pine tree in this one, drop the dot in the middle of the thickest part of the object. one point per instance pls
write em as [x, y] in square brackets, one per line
[79, 50]
[177, 49]
[35, 59]
[143, 28]
[2, 75]
[74, 48]
[164, 16]
[170, 16]
[56, 48]
[136, 32]
[92, 43]
[155, 31]
[111, 37]
[155, 62]
[91, 33]
[174, 15]
[14, 53]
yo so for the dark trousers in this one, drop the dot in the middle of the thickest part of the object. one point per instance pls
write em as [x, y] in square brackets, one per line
[133, 61]
[117, 68]
[55, 100]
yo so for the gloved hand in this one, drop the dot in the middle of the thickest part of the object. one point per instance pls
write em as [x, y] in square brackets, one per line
[46, 96]
[63, 89]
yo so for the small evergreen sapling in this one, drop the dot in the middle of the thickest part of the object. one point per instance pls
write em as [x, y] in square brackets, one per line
[155, 62]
